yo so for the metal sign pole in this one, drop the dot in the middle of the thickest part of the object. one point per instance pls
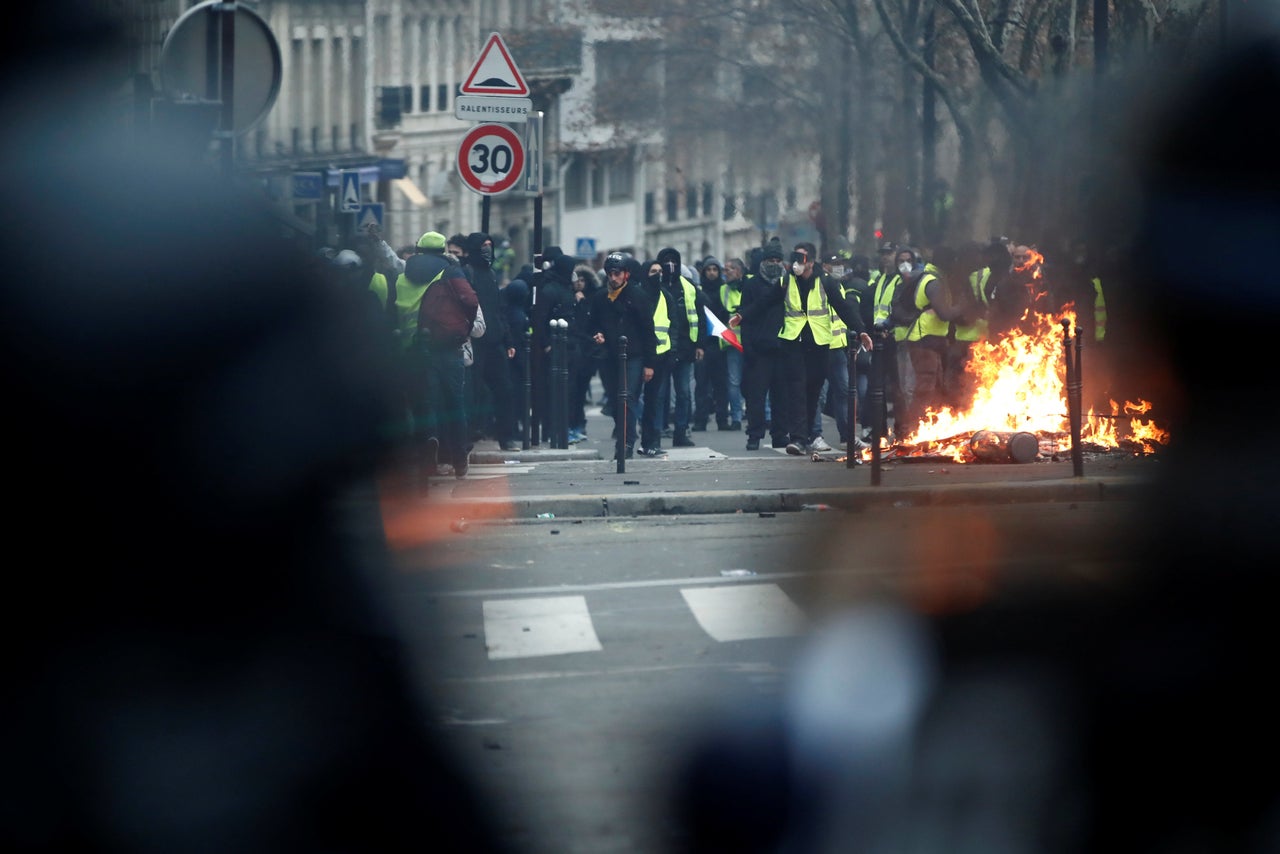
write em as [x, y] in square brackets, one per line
[226, 89]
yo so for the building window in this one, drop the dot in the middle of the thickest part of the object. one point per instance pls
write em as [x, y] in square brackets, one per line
[575, 183]
[622, 176]
[729, 207]
[791, 198]
[691, 202]
[650, 209]
[315, 138]
[707, 195]
[354, 133]
[442, 97]
[597, 183]
[424, 99]
[406, 99]
[673, 205]
[295, 140]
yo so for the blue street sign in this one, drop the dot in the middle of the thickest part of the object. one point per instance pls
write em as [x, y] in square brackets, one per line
[349, 197]
[370, 214]
[586, 248]
[308, 185]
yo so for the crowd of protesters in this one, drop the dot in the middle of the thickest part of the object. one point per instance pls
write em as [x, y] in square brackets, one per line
[794, 316]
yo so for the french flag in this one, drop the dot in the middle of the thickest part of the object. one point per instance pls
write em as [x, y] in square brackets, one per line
[718, 328]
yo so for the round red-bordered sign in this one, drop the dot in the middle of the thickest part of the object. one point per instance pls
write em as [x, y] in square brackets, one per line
[491, 159]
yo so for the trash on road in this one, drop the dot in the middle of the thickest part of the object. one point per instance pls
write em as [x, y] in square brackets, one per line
[817, 507]
[736, 573]
[546, 515]
[460, 525]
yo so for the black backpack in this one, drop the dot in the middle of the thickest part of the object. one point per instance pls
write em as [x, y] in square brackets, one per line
[902, 310]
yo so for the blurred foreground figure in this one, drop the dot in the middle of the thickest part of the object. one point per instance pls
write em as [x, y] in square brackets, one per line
[196, 655]
[1136, 715]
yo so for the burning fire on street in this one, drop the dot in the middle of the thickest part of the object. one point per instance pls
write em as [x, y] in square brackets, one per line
[1020, 387]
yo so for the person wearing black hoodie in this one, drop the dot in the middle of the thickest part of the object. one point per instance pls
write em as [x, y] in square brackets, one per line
[711, 377]
[624, 310]
[495, 411]
[516, 307]
[763, 379]
[554, 302]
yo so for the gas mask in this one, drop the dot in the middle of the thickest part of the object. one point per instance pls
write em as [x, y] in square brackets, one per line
[905, 268]
[670, 267]
[797, 267]
[839, 271]
[486, 252]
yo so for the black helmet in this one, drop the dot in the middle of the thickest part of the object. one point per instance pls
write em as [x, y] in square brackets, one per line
[615, 261]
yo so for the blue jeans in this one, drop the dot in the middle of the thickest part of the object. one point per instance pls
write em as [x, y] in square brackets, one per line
[733, 364]
[836, 390]
[445, 403]
[682, 379]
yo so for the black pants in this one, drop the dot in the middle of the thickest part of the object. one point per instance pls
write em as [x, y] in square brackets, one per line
[806, 369]
[494, 401]
[764, 378]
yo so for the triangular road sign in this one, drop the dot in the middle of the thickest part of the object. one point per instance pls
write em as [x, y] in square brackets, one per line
[495, 72]
[350, 201]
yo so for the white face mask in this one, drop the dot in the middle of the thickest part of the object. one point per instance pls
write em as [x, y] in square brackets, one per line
[797, 268]
[905, 268]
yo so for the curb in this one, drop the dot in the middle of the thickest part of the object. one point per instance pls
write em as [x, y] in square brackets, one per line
[533, 455]
[791, 500]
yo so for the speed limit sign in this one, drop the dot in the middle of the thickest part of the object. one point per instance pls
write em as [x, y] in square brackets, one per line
[490, 159]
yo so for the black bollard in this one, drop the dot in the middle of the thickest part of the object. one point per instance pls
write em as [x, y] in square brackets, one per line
[621, 444]
[553, 387]
[560, 385]
[1073, 398]
[851, 455]
[528, 387]
[875, 400]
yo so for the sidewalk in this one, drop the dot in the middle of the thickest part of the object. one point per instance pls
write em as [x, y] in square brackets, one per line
[721, 476]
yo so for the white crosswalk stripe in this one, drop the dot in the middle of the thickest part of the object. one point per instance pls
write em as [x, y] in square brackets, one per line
[560, 625]
[525, 628]
[745, 612]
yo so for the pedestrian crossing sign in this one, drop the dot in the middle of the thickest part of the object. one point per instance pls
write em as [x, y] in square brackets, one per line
[349, 198]
[370, 214]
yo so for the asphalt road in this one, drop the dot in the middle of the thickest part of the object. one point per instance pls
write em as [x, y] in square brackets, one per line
[571, 664]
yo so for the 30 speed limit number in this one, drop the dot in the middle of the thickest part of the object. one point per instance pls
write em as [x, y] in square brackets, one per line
[491, 159]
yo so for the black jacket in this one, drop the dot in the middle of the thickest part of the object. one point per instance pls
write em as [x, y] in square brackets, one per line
[631, 314]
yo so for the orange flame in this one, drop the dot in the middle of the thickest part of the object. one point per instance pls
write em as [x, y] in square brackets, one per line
[1019, 383]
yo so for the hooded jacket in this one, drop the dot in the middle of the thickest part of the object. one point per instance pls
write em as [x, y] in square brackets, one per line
[555, 299]
[485, 283]
[435, 302]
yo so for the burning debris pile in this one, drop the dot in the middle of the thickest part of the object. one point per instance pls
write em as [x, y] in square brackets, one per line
[1019, 410]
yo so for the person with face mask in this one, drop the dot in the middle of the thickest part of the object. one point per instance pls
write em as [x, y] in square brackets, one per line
[555, 302]
[759, 320]
[808, 302]
[491, 397]
[539, 366]
[930, 328]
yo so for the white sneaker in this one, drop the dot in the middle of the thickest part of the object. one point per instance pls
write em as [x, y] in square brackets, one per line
[819, 444]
